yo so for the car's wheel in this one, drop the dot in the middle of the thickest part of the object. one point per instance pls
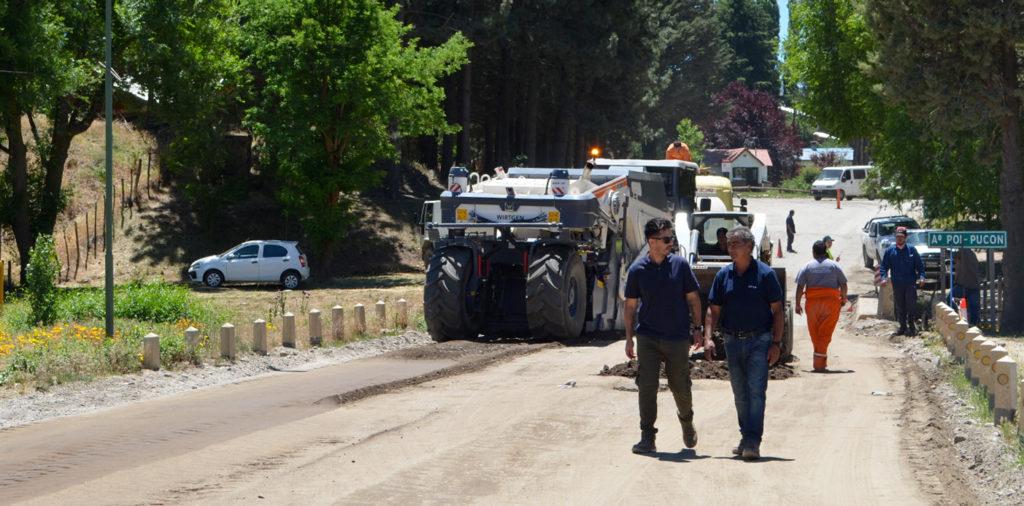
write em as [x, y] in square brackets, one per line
[447, 304]
[290, 280]
[817, 197]
[556, 294]
[868, 261]
[842, 195]
[213, 278]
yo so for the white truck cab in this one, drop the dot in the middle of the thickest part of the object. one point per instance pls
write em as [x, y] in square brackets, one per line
[848, 181]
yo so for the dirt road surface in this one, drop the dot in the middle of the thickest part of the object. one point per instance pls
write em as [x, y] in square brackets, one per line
[508, 430]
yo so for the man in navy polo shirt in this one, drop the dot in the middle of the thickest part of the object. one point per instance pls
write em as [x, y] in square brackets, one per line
[907, 273]
[660, 288]
[746, 299]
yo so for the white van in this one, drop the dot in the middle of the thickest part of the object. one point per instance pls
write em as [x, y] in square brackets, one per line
[848, 181]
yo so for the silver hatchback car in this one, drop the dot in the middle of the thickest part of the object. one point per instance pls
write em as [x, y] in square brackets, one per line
[253, 261]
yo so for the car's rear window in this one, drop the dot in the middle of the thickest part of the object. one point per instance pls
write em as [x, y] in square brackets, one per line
[274, 251]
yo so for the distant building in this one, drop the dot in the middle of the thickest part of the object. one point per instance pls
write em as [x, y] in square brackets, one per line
[844, 156]
[743, 166]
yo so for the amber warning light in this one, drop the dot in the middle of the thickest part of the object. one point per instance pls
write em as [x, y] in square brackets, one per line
[594, 152]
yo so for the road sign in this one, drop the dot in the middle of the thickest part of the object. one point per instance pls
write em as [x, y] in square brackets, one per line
[992, 239]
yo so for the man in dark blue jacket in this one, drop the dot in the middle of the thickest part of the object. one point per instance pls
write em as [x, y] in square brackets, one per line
[907, 273]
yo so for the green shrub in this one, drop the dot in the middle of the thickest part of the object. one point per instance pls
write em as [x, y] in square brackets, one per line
[41, 280]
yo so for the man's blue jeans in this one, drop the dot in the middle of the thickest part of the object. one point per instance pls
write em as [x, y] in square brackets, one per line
[748, 373]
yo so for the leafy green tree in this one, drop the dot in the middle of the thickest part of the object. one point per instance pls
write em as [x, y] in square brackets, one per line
[693, 137]
[334, 84]
[826, 51]
[751, 31]
[957, 68]
[43, 269]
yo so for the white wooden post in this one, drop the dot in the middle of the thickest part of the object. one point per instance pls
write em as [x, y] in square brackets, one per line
[259, 336]
[288, 331]
[227, 341]
[151, 351]
[338, 323]
[359, 313]
[316, 335]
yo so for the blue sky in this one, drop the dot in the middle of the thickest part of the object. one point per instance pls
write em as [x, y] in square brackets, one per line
[783, 20]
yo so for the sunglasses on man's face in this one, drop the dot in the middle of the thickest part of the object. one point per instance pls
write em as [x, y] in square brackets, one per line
[665, 239]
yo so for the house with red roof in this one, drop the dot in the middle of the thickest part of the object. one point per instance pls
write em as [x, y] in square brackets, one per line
[743, 166]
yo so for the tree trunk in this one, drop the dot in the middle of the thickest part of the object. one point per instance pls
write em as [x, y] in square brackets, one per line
[17, 165]
[1011, 209]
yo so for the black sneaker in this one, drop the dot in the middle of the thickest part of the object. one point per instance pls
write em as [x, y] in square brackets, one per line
[738, 449]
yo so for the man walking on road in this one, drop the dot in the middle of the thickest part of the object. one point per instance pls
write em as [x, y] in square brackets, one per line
[823, 282]
[662, 303]
[790, 231]
[907, 274]
[747, 298]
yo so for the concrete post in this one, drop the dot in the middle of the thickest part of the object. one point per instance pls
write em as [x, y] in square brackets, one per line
[989, 361]
[984, 363]
[1020, 419]
[381, 312]
[151, 352]
[359, 313]
[958, 334]
[288, 331]
[403, 314]
[227, 341]
[1005, 390]
[886, 307]
[259, 336]
[191, 338]
[316, 335]
[338, 323]
[970, 359]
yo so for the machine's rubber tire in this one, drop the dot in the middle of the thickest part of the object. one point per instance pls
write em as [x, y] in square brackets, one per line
[213, 278]
[868, 261]
[842, 195]
[817, 197]
[445, 296]
[290, 279]
[556, 298]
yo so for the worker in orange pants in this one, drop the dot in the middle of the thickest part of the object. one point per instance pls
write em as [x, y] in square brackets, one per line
[822, 282]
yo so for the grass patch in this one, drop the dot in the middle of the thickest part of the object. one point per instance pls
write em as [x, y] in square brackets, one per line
[78, 349]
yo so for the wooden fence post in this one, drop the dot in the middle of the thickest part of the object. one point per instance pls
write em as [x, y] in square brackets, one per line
[381, 311]
[359, 313]
[403, 314]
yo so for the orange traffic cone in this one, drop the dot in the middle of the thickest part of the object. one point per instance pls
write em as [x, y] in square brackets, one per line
[780, 249]
[963, 308]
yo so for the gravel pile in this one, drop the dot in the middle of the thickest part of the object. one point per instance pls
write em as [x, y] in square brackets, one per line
[82, 397]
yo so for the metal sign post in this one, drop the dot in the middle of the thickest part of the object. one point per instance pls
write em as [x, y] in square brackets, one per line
[987, 240]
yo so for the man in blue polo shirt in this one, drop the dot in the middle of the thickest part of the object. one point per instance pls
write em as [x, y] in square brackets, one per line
[907, 274]
[746, 298]
[662, 299]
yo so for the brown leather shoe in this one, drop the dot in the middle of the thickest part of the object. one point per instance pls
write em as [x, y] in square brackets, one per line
[689, 434]
[646, 444]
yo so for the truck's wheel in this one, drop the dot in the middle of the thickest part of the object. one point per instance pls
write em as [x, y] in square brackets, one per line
[842, 195]
[446, 297]
[817, 197]
[556, 298]
[868, 261]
